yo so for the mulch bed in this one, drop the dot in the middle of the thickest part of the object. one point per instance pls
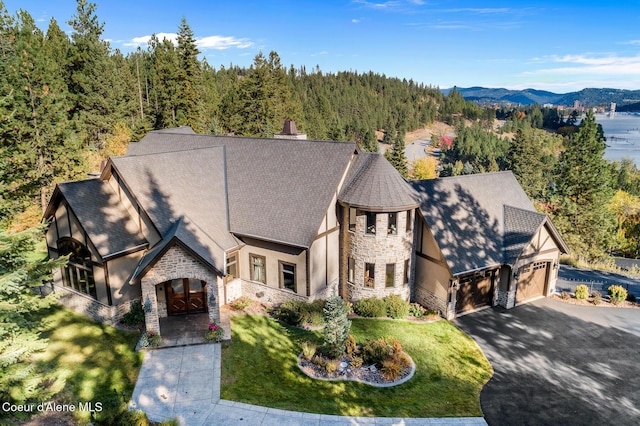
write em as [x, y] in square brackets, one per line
[365, 374]
[589, 302]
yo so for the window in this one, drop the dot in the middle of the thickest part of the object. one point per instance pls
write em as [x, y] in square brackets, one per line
[392, 225]
[288, 276]
[369, 275]
[78, 272]
[258, 268]
[406, 271]
[232, 267]
[351, 270]
[408, 228]
[390, 276]
[371, 222]
[352, 219]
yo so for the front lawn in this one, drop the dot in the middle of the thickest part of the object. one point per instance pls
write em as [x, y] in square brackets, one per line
[259, 367]
[88, 362]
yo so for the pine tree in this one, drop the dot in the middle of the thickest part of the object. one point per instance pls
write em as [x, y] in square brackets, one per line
[189, 78]
[337, 326]
[20, 334]
[584, 187]
[396, 155]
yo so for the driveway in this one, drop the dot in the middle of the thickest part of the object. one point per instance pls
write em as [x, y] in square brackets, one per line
[559, 364]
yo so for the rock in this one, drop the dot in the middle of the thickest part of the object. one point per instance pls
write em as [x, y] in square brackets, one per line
[343, 364]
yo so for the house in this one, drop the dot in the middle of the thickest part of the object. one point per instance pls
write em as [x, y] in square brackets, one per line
[187, 223]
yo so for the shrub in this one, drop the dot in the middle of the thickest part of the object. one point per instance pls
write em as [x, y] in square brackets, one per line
[241, 303]
[319, 361]
[565, 295]
[396, 347]
[296, 313]
[308, 350]
[432, 313]
[596, 298]
[375, 351]
[391, 368]
[618, 294]
[135, 315]
[332, 365]
[337, 325]
[371, 307]
[416, 310]
[356, 362]
[396, 306]
[582, 292]
[350, 345]
[404, 359]
[631, 298]
[150, 339]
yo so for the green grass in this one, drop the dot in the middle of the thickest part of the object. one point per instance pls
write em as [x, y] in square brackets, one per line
[259, 367]
[88, 362]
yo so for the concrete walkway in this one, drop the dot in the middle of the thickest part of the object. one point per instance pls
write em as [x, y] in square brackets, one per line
[184, 383]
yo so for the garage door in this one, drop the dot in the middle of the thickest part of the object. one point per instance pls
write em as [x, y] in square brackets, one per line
[474, 292]
[532, 281]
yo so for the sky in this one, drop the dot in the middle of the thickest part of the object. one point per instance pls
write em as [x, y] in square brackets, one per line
[546, 45]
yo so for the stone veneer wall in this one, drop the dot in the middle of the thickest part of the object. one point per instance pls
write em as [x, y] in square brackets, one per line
[86, 305]
[431, 301]
[379, 249]
[504, 298]
[177, 263]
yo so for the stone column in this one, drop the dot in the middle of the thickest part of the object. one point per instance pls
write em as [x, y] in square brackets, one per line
[150, 306]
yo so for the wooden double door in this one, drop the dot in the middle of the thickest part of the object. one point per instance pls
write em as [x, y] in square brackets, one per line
[186, 296]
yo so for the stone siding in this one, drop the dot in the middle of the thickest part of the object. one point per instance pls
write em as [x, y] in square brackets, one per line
[504, 298]
[430, 300]
[379, 249]
[86, 305]
[178, 263]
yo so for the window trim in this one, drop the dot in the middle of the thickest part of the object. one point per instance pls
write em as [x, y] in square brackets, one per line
[235, 255]
[281, 275]
[408, 227]
[370, 279]
[351, 270]
[264, 267]
[392, 226]
[370, 229]
[77, 274]
[393, 275]
[353, 214]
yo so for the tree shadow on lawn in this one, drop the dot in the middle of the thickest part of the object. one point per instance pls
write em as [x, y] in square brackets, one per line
[260, 367]
[88, 362]
[553, 368]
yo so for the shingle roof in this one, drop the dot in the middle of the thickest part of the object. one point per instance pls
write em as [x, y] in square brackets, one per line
[100, 213]
[377, 186]
[466, 215]
[172, 185]
[519, 227]
[278, 189]
[187, 232]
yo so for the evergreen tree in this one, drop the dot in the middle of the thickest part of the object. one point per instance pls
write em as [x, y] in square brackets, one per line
[396, 155]
[532, 160]
[189, 79]
[584, 187]
[20, 334]
[337, 326]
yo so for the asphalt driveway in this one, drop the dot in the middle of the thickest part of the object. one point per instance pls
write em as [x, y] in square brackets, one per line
[559, 364]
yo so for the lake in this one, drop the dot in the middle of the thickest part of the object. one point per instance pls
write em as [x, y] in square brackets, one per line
[623, 136]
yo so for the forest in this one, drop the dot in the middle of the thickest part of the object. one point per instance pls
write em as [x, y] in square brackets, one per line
[69, 101]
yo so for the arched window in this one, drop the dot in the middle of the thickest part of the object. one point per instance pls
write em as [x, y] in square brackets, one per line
[78, 273]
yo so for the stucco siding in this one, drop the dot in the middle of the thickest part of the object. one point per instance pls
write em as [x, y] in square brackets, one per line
[120, 270]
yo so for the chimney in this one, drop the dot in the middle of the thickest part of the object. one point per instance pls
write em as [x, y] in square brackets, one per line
[289, 131]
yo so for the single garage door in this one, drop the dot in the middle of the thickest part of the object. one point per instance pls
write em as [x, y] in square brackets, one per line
[532, 281]
[474, 292]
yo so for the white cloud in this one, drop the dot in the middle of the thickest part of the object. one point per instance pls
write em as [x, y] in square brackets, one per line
[355, 21]
[594, 65]
[215, 42]
[379, 6]
[480, 11]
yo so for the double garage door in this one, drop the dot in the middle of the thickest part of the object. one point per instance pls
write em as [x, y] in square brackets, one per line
[532, 281]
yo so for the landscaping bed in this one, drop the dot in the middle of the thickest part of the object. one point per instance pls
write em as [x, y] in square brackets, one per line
[260, 366]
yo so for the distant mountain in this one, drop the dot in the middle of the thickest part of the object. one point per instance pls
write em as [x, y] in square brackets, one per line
[586, 97]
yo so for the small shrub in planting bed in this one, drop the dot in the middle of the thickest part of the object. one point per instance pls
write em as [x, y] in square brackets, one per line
[596, 298]
[582, 292]
[374, 351]
[350, 345]
[356, 362]
[135, 315]
[308, 350]
[565, 295]
[416, 310]
[241, 303]
[371, 307]
[396, 306]
[618, 294]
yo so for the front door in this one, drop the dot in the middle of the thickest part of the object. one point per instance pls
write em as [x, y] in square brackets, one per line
[185, 296]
